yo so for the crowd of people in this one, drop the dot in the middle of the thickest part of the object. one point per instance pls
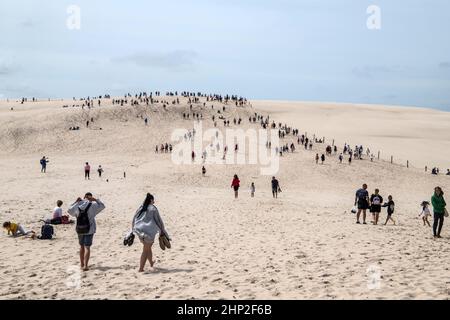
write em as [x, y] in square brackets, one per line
[147, 222]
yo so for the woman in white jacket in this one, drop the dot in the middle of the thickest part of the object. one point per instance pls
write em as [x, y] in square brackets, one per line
[146, 224]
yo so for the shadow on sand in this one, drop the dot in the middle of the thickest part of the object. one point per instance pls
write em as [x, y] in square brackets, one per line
[164, 270]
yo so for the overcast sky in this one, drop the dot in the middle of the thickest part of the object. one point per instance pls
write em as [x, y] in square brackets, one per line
[308, 50]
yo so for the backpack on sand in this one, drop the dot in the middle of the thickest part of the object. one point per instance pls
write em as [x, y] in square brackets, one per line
[83, 224]
[47, 232]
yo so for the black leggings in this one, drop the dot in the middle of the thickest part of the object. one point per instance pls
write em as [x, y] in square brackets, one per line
[437, 224]
[86, 174]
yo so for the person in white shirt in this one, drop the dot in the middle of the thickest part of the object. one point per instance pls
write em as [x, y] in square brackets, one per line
[425, 213]
[57, 212]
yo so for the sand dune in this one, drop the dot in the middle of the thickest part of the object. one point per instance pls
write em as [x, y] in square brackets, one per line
[419, 135]
[303, 245]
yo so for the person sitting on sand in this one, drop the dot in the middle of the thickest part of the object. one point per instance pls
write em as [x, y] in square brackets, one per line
[235, 184]
[425, 213]
[57, 212]
[322, 158]
[390, 210]
[448, 172]
[16, 230]
[92, 207]
[375, 206]
[146, 224]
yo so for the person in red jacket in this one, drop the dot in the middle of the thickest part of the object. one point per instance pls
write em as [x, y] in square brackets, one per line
[235, 184]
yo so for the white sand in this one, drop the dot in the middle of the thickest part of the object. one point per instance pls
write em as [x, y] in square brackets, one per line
[303, 245]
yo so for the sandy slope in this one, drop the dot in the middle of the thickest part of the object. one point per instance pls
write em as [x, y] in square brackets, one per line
[421, 136]
[303, 245]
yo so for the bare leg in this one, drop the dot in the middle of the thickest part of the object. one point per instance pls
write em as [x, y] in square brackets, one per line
[82, 257]
[150, 255]
[364, 216]
[87, 255]
[143, 259]
[392, 220]
[358, 215]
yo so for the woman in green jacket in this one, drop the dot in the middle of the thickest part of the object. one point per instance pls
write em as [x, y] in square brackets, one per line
[438, 202]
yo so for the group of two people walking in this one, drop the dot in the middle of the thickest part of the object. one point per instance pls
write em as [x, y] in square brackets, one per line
[146, 223]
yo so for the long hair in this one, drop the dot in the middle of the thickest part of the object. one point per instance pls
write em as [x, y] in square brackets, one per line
[149, 198]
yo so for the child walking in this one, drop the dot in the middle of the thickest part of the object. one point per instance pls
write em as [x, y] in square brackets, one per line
[390, 210]
[425, 213]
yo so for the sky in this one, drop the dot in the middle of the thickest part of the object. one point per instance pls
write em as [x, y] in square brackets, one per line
[307, 50]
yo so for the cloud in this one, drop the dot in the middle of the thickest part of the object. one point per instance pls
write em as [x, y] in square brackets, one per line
[21, 90]
[178, 60]
[369, 72]
[390, 96]
[444, 65]
[28, 23]
[6, 70]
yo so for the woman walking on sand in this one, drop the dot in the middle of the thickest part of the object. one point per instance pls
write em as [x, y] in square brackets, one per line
[235, 184]
[146, 224]
[439, 210]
